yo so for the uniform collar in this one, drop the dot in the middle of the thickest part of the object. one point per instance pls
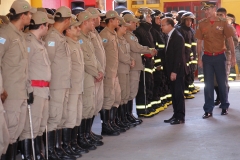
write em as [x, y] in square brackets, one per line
[71, 40]
[122, 38]
[86, 35]
[130, 32]
[113, 32]
[32, 35]
[60, 34]
[146, 25]
[15, 29]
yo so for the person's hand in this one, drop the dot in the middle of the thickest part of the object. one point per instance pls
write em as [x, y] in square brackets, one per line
[158, 68]
[4, 96]
[200, 63]
[99, 78]
[233, 61]
[132, 63]
[30, 98]
[173, 76]
[154, 52]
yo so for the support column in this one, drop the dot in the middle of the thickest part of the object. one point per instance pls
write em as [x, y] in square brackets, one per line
[36, 4]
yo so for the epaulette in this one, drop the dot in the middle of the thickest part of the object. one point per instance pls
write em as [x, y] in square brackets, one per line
[28, 37]
[202, 20]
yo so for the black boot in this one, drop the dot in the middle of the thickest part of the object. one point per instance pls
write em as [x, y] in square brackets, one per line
[118, 120]
[124, 117]
[52, 155]
[89, 136]
[217, 101]
[96, 136]
[75, 147]
[66, 145]
[38, 148]
[59, 150]
[26, 148]
[82, 141]
[112, 120]
[130, 116]
[10, 152]
[106, 127]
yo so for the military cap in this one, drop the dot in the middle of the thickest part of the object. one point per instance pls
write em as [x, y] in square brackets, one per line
[63, 12]
[40, 18]
[21, 6]
[130, 17]
[169, 14]
[112, 14]
[50, 16]
[85, 15]
[94, 11]
[123, 23]
[208, 4]
[123, 13]
[74, 21]
[158, 13]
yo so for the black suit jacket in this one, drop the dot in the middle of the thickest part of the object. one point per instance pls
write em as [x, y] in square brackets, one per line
[174, 59]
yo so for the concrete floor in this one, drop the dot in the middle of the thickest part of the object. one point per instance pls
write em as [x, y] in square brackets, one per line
[216, 138]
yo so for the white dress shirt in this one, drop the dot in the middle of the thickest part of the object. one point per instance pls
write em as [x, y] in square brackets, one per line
[169, 36]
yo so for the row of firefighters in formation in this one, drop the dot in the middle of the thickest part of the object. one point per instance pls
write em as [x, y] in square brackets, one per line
[81, 69]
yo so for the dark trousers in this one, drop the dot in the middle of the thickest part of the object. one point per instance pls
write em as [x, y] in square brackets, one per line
[178, 102]
[215, 65]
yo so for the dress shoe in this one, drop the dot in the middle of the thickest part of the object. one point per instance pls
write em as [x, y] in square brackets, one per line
[207, 115]
[177, 121]
[169, 120]
[224, 112]
[217, 102]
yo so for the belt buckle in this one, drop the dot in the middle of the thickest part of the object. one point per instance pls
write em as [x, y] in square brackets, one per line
[213, 54]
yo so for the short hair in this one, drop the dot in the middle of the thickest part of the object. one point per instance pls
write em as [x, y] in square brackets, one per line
[13, 16]
[60, 19]
[33, 26]
[108, 20]
[169, 20]
[222, 10]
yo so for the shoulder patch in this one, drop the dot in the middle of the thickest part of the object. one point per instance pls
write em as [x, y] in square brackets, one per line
[132, 38]
[28, 49]
[2, 40]
[202, 20]
[105, 40]
[51, 43]
[81, 41]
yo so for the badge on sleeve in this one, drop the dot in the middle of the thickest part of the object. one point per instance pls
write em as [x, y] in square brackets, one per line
[81, 41]
[132, 38]
[2, 40]
[28, 49]
[51, 44]
[105, 40]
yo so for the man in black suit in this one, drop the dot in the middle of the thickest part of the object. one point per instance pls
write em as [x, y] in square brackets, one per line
[174, 61]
